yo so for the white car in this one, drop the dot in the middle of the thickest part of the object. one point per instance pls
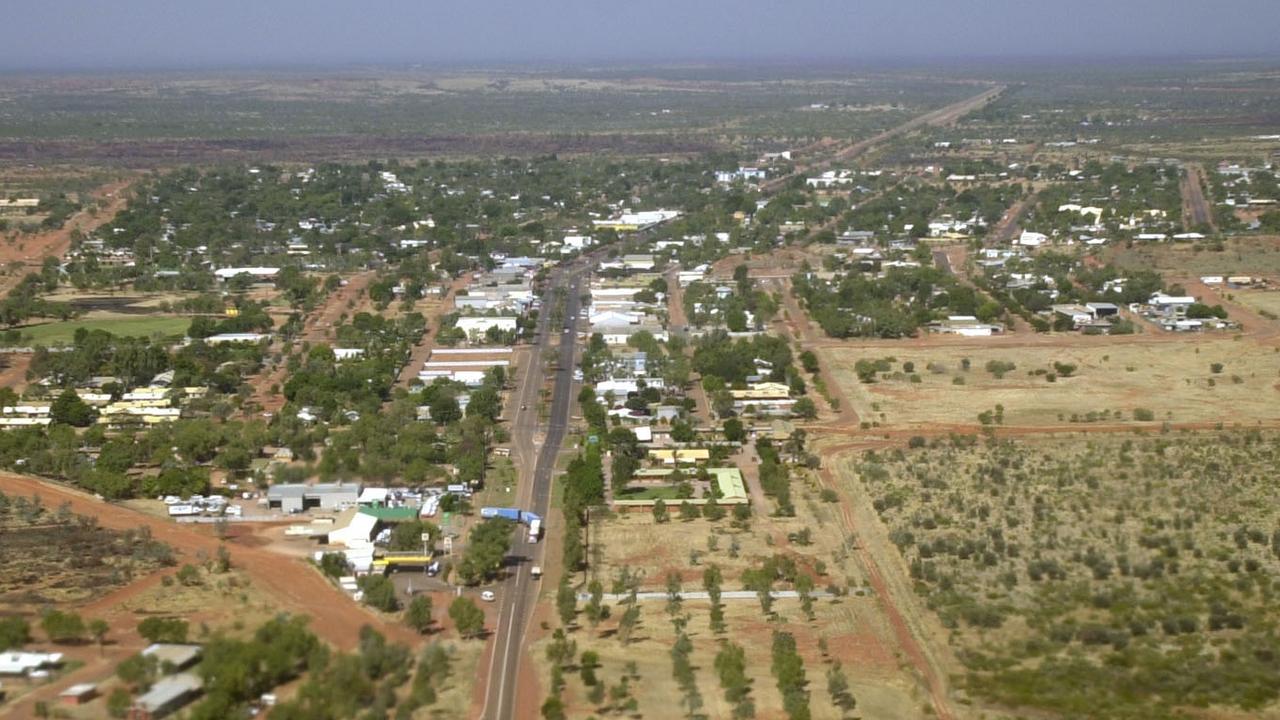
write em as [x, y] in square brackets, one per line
[487, 596]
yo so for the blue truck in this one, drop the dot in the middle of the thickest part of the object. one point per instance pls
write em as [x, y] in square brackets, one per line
[514, 514]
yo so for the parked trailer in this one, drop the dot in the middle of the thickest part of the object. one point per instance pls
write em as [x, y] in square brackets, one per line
[514, 514]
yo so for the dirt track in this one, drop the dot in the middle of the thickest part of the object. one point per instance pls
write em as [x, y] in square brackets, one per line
[31, 250]
[317, 328]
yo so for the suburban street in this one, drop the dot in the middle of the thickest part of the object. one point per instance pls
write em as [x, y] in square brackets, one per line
[518, 594]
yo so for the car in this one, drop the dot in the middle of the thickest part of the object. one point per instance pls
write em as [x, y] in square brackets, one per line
[524, 407]
[487, 596]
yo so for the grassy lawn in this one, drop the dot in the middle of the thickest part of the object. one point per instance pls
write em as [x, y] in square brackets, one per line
[665, 492]
[128, 325]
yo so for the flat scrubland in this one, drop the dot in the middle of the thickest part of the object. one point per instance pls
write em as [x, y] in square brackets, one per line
[51, 555]
[1260, 301]
[1112, 377]
[1258, 255]
[1113, 577]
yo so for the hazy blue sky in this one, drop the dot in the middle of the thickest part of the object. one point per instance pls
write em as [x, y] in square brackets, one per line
[40, 34]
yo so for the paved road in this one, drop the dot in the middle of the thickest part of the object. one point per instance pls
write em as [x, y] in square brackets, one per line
[519, 592]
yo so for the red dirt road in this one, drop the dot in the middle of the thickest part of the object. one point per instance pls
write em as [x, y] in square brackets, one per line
[31, 250]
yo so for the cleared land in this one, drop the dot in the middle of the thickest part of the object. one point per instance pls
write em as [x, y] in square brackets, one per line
[1175, 380]
[1259, 255]
[52, 555]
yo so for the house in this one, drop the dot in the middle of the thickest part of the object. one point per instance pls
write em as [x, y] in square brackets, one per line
[633, 221]
[166, 696]
[578, 242]
[1102, 309]
[767, 398]
[359, 534]
[24, 663]
[222, 338]
[966, 326]
[296, 497]
[728, 480]
[477, 327]
[177, 656]
[1077, 314]
[256, 273]
[1031, 239]
[78, 694]
[1172, 306]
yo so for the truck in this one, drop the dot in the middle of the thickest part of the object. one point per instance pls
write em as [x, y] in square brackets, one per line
[514, 514]
[535, 530]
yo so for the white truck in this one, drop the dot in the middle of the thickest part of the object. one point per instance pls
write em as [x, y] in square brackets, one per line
[535, 530]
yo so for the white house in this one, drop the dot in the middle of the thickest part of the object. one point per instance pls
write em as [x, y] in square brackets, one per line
[1031, 239]
[476, 327]
[257, 273]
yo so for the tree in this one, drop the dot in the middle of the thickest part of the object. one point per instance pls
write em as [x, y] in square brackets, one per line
[138, 671]
[163, 630]
[98, 629]
[466, 617]
[553, 708]
[118, 703]
[63, 627]
[444, 409]
[660, 510]
[69, 409]
[595, 609]
[418, 614]
[734, 430]
[809, 361]
[805, 408]
[566, 602]
[485, 402]
[379, 592]
[14, 633]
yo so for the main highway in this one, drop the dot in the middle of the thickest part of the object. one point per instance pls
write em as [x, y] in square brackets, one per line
[519, 591]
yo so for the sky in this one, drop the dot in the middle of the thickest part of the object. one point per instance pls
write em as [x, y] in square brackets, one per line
[176, 34]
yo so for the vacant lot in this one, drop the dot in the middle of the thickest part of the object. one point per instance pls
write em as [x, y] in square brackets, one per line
[1240, 256]
[1175, 380]
[1140, 568]
[51, 555]
[853, 625]
[1260, 301]
[170, 326]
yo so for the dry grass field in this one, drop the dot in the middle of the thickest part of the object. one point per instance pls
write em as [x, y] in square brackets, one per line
[854, 625]
[855, 637]
[1260, 301]
[1175, 380]
[1258, 255]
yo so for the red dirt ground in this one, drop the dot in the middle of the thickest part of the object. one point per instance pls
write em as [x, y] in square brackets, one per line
[56, 243]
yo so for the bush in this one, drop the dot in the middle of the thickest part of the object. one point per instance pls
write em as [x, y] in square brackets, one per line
[63, 627]
[998, 368]
[14, 633]
[379, 592]
[168, 630]
[1144, 415]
